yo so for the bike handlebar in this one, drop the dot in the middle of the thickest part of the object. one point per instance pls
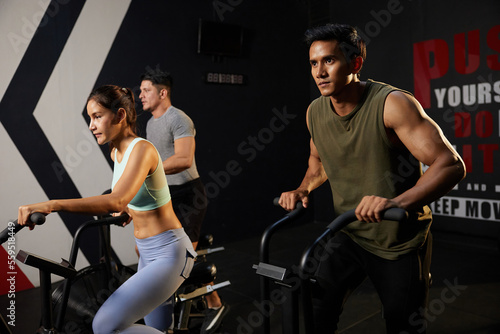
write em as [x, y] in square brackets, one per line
[14, 227]
[394, 214]
[39, 218]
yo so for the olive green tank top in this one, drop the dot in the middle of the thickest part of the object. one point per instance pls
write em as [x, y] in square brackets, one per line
[360, 160]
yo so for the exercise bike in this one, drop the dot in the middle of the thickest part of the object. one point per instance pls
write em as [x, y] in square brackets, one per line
[8, 233]
[71, 307]
[76, 300]
[305, 272]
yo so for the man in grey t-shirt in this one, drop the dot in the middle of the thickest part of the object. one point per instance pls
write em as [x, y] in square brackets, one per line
[173, 135]
[172, 132]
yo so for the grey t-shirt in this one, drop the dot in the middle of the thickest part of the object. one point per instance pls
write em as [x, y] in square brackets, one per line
[163, 131]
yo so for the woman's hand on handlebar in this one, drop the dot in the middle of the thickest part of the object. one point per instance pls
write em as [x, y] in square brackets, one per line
[370, 208]
[288, 200]
[25, 212]
[125, 212]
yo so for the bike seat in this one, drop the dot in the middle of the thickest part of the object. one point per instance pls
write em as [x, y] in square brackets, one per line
[202, 273]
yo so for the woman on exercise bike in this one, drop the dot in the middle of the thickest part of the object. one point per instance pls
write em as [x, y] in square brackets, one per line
[139, 188]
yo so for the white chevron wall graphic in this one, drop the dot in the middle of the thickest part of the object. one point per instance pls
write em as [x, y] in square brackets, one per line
[58, 113]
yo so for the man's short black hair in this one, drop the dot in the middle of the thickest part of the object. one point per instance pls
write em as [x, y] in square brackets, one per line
[350, 42]
[159, 78]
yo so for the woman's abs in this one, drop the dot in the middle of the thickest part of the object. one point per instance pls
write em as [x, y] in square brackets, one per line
[154, 222]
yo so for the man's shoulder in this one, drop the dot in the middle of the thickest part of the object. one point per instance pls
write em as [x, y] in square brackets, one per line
[174, 112]
[378, 87]
[319, 101]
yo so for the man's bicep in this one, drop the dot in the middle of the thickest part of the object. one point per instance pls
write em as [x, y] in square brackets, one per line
[315, 166]
[427, 142]
[185, 146]
[314, 151]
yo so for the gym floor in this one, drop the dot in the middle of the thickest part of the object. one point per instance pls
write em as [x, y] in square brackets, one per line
[464, 298]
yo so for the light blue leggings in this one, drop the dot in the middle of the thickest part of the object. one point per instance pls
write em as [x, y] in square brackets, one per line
[165, 262]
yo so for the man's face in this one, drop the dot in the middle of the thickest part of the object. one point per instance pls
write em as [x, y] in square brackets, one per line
[329, 67]
[150, 96]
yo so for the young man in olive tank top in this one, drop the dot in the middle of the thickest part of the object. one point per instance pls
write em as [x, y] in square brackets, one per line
[362, 135]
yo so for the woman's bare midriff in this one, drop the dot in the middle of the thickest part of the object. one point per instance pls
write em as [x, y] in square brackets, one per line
[153, 222]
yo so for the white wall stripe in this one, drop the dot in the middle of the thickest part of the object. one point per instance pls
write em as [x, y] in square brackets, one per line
[18, 22]
[52, 240]
[59, 111]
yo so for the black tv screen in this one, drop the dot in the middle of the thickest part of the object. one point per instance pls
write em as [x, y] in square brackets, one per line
[221, 39]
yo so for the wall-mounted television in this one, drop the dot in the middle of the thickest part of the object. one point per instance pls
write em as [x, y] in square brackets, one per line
[220, 39]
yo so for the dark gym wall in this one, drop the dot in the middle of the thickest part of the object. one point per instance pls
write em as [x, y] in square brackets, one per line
[251, 139]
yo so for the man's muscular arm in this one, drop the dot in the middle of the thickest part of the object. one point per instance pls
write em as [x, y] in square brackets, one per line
[426, 142]
[183, 157]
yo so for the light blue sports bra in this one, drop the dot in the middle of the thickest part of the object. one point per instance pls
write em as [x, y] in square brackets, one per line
[153, 193]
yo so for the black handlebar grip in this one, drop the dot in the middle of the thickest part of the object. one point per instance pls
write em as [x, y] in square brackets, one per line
[36, 218]
[395, 214]
[117, 220]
